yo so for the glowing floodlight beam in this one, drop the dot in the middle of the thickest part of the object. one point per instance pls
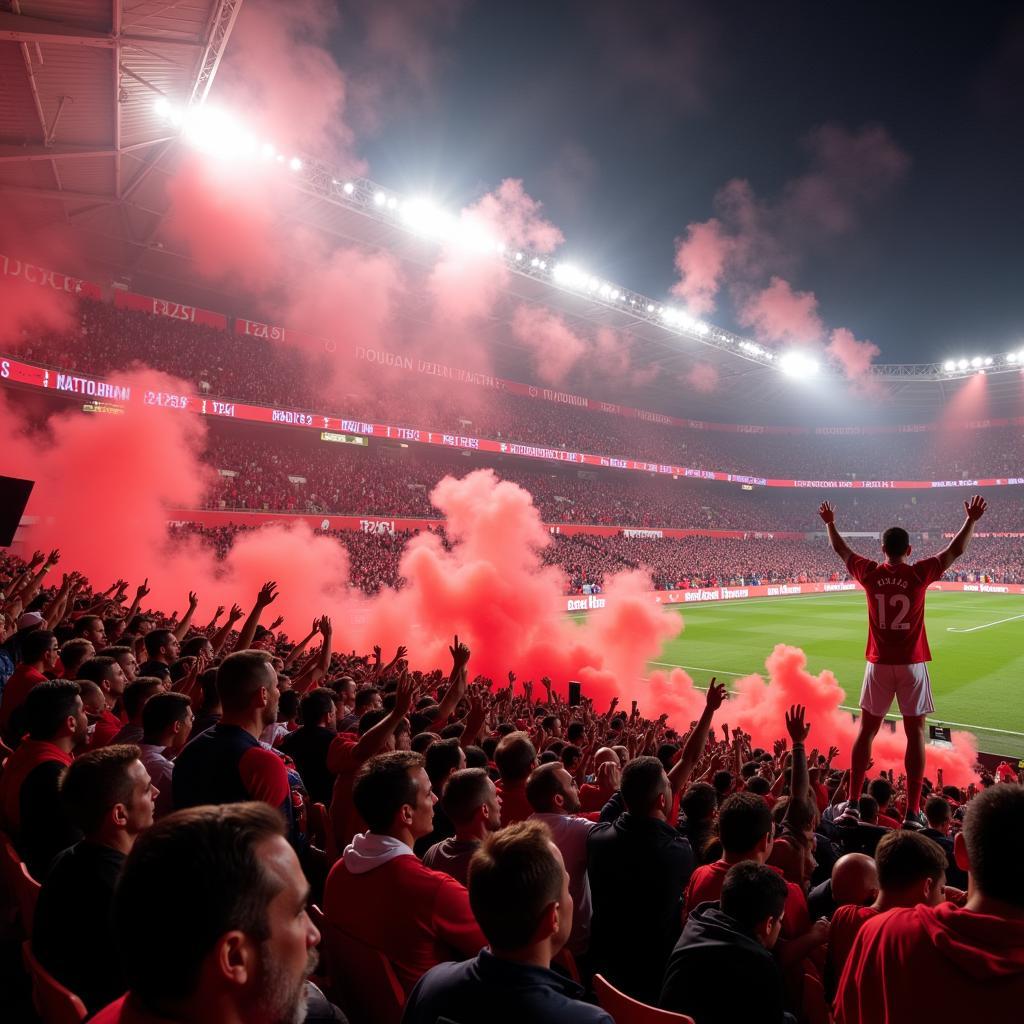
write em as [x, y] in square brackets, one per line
[796, 364]
[295, 164]
[379, 199]
[949, 366]
[348, 188]
[163, 106]
[570, 276]
[962, 364]
[977, 361]
[425, 218]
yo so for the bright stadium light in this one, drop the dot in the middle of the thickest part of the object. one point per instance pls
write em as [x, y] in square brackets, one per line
[571, 276]
[962, 364]
[379, 199]
[348, 188]
[796, 364]
[977, 361]
[163, 106]
[949, 366]
[295, 164]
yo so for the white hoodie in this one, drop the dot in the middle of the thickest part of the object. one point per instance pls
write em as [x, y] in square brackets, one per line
[369, 850]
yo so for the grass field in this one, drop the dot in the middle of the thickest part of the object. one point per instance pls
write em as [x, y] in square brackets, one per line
[977, 643]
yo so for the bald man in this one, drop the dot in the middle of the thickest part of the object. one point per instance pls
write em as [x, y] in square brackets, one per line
[909, 869]
[607, 774]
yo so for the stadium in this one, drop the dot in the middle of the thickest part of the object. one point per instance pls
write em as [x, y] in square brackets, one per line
[268, 420]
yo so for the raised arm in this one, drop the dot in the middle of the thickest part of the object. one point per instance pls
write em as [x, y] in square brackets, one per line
[800, 783]
[974, 509]
[828, 517]
[219, 638]
[267, 595]
[456, 684]
[683, 768]
[186, 620]
[140, 592]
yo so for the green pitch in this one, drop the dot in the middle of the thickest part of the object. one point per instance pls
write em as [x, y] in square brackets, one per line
[978, 659]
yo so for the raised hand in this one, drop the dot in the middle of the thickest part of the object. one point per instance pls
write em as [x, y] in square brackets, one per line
[460, 654]
[235, 614]
[142, 589]
[277, 622]
[827, 512]
[405, 694]
[53, 558]
[795, 725]
[975, 508]
[325, 627]
[193, 600]
[716, 696]
[267, 594]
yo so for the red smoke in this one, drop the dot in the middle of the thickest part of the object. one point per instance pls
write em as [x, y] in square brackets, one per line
[855, 357]
[779, 314]
[703, 377]
[758, 706]
[700, 260]
[555, 347]
[515, 218]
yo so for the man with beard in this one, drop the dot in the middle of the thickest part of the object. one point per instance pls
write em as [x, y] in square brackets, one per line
[30, 805]
[228, 764]
[555, 800]
[245, 950]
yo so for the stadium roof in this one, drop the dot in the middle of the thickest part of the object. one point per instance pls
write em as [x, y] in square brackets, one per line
[82, 145]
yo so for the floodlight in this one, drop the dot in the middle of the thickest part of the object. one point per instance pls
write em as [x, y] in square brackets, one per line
[988, 360]
[348, 188]
[796, 364]
[962, 364]
[569, 275]
[379, 198]
[392, 203]
[949, 366]
[976, 361]
[519, 257]
[650, 308]
[266, 151]
[295, 164]
[163, 106]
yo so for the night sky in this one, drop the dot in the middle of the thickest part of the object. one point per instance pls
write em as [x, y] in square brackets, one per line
[625, 120]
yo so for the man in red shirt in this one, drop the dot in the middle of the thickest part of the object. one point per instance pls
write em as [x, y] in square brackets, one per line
[911, 870]
[381, 894]
[897, 648]
[515, 757]
[944, 963]
[108, 675]
[39, 655]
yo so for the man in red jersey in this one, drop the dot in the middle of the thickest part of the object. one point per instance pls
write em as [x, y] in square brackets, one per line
[897, 649]
[946, 963]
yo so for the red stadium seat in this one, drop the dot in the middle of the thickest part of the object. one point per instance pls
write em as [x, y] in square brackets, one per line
[21, 888]
[363, 981]
[815, 1005]
[53, 1002]
[625, 1010]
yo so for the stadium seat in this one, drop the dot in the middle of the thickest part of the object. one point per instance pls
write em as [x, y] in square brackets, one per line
[21, 888]
[363, 981]
[626, 1010]
[53, 1002]
[815, 1005]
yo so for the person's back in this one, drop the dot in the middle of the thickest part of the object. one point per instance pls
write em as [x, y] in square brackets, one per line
[970, 960]
[519, 891]
[722, 944]
[638, 867]
[380, 893]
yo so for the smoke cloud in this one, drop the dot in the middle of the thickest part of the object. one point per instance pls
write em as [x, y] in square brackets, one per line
[779, 314]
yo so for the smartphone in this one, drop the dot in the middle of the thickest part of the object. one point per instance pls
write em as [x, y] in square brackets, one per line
[634, 707]
[575, 696]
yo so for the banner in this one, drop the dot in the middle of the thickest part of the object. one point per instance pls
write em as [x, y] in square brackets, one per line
[29, 273]
[271, 332]
[25, 373]
[173, 310]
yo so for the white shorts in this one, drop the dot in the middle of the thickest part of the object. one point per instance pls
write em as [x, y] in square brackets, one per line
[909, 684]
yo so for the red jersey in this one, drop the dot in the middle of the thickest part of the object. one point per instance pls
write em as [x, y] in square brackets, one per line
[846, 922]
[896, 634]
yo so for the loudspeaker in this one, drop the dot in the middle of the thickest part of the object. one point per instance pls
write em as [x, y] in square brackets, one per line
[13, 499]
[575, 693]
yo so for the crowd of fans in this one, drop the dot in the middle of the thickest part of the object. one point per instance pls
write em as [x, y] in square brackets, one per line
[674, 563]
[245, 368]
[343, 836]
[300, 473]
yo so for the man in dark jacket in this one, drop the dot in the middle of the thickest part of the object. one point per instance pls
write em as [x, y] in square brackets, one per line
[722, 969]
[638, 867]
